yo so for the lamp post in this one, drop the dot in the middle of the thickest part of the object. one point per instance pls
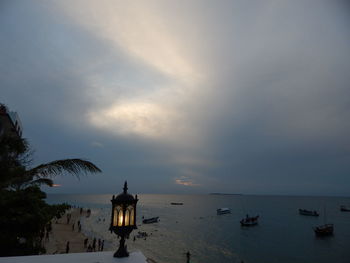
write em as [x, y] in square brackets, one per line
[123, 219]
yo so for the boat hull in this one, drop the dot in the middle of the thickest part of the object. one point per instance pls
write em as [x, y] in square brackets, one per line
[150, 220]
[222, 211]
[344, 209]
[308, 213]
[249, 221]
[325, 230]
[248, 224]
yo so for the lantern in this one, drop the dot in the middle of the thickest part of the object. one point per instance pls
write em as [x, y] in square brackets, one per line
[123, 219]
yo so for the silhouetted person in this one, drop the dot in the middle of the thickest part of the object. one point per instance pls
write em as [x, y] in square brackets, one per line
[73, 226]
[67, 247]
[99, 244]
[89, 249]
[85, 242]
[94, 244]
[68, 218]
[188, 256]
[102, 244]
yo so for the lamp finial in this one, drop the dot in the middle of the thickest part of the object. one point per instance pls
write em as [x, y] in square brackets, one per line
[125, 187]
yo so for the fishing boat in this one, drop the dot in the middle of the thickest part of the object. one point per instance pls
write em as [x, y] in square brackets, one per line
[222, 211]
[324, 230]
[249, 221]
[343, 208]
[308, 212]
[175, 203]
[150, 220]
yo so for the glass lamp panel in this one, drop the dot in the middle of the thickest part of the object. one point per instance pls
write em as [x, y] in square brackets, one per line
[127, 217]
[132, 215]
[115, 216]
[120, 218]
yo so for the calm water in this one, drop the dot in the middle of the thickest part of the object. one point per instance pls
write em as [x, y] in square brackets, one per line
[281, 236]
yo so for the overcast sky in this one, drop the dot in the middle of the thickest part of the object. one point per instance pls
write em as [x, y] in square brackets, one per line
[184, 96]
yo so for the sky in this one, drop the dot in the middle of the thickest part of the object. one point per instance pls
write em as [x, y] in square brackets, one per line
[184, 97]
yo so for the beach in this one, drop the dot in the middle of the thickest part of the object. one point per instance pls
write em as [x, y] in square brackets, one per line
[62, 232]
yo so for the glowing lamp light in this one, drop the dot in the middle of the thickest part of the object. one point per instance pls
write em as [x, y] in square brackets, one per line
[123, 219]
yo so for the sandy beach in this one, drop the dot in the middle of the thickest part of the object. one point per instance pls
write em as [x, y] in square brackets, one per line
[63, 232]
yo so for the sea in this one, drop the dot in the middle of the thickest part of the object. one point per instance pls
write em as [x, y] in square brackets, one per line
[282, 235]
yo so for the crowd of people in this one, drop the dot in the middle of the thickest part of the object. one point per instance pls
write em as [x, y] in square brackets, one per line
[92, 245]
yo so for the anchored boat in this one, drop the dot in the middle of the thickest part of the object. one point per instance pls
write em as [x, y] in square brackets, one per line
[150, 220]
[343, 208]
[308, 212]
[222, 211]
[249, 221]
[324, 230]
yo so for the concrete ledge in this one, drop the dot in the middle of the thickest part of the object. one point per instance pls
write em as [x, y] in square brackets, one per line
[93, 257]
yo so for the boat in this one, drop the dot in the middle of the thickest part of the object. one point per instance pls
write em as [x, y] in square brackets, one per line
[308, 212]
[175, 203]
[222, 211]
[249, 221]
[150, 220]
[343, 208]
[324, 230]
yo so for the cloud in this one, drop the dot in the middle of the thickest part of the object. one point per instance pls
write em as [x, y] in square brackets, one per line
[188, 178]
[136, 118]
[97, 144]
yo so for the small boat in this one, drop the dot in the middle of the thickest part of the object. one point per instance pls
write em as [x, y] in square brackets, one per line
[324, 230]
[174, 203]
[343, 208]
[250, 221]
[222, 211]
[308, 212]
[150, 220]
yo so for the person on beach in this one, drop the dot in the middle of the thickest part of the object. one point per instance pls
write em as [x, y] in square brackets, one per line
[79, 229]
[89, 249]
[102, 244]
[68, 217]
[67, 247]
[188, 256]
[73, 226]
[99, 244]
[85, 242]
[94, 244]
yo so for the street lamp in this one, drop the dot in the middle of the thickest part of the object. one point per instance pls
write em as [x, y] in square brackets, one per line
[123, 219]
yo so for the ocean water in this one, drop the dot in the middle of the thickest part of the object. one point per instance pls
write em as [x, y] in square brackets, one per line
[281, 236]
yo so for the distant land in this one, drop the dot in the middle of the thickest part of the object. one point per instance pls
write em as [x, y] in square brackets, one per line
[223, 194]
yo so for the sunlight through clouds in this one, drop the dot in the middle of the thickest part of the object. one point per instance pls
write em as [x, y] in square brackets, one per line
[136, 118]
[138, 30]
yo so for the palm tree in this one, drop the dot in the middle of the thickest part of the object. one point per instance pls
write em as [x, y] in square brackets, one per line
[15, 157]
[43, 173]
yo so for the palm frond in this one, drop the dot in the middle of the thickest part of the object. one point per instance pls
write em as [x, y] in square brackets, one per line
[72, 166]
[41, 181]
